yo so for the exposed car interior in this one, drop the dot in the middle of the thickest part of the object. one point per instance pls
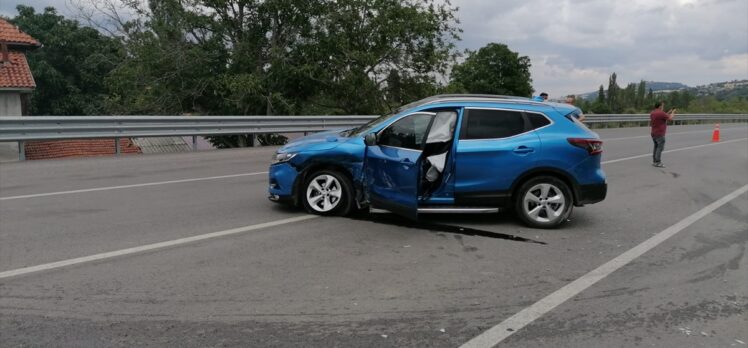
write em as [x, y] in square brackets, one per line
[435, 156]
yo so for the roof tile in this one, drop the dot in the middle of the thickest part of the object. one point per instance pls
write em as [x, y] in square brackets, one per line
[16, 72]
[11, 34]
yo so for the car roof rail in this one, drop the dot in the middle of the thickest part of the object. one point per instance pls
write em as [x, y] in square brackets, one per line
[478, 98]
[481, 96]
[469, 97]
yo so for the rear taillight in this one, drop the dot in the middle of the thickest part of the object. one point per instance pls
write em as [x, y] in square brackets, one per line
[593, 146]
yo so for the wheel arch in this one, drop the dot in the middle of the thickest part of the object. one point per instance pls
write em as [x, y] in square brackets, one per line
[315, 167]
[560, 174]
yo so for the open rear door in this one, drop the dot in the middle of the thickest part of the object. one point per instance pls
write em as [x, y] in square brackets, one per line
[392, 165]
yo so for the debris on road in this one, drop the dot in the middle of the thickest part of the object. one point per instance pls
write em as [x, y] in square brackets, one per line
[384, 336]
[739, 341]
[442, 330]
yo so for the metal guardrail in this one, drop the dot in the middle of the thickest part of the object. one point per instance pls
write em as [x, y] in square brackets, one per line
[82, 127]
[20, 129]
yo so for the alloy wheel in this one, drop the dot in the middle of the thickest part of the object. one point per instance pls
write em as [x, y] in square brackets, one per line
[544, 203]
[324, 193]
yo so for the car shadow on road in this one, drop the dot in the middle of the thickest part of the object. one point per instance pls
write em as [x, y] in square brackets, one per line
[427, 224]
[436, 227]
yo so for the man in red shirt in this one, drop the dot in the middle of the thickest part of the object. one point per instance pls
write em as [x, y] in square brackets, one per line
[658, 121]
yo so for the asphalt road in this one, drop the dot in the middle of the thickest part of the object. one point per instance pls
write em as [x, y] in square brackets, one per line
[373, 280]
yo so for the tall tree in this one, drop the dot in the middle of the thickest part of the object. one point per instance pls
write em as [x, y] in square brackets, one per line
[72, 65]
[358, 45]
[601, 95]
[628, 98]
[650, 100]
[641, 94]
[494, 69]
[613, 94]
[287, 56]
[170, 68]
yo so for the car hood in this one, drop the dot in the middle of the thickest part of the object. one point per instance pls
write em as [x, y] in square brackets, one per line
[316, 142]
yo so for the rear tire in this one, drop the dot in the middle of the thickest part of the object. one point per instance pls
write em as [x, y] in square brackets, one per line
[544, 202]
[327, 192]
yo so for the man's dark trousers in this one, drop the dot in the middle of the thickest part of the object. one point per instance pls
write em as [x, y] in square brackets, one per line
[659, 145]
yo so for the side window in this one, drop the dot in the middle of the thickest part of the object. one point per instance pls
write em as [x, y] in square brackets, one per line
[537, 120]
[492, 124]
[408, 132]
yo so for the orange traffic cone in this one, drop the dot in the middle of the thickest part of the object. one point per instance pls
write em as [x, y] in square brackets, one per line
[715, 134]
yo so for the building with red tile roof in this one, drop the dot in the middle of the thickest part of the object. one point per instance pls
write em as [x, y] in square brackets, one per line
[16, 81]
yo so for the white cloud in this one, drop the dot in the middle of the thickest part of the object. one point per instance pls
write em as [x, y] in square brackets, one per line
[575, 45]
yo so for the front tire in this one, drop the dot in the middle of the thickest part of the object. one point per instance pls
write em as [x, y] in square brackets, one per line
[544, 202]
[327, 192]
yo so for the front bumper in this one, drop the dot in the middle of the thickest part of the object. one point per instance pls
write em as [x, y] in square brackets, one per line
[281, 199]
[281, 179]
[589, 194]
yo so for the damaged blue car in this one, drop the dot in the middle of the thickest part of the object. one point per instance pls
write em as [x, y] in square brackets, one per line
[449, 154]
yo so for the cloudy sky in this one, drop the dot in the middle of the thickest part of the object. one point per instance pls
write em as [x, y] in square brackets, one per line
[574, 45]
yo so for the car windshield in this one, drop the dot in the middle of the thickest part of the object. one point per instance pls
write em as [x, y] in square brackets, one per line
[379, 120]
[369, 125]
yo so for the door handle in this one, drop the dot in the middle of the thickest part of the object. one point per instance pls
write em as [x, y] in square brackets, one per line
[523, 149]
[406, 161]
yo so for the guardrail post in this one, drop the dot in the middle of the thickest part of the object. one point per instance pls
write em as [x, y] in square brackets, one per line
[21, 150]
[116, 147]
[252, 140]
[194, 143]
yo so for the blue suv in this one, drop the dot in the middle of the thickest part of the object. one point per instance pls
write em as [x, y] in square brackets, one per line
[449, 154]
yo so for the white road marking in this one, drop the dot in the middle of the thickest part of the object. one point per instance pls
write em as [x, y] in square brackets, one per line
[676, 133]
[149, 247]
[129, 186]
[673, 150]
[498, 333]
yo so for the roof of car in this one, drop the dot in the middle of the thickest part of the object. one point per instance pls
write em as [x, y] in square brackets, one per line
[442, 98]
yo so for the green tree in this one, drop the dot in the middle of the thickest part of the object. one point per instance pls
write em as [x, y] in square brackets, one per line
[650, 100]
[641, 94]
[256, 57]
[168, 70]
[613, 101]
[601, 95]
[628, 99]
[494, 69]
[599, 108]
[358, 45]
[72, 65]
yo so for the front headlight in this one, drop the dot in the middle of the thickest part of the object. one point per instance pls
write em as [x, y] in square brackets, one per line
[282, 157]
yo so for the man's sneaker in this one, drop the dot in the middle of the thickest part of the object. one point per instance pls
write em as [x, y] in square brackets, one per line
[658, 165]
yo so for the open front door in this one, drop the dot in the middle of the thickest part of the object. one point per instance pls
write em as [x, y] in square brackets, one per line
[393, 165]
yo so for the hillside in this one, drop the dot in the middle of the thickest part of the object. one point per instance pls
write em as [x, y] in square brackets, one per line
[721, 90]
[664, 86]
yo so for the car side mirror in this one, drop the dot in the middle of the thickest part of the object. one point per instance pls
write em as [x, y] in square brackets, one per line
[370, 139]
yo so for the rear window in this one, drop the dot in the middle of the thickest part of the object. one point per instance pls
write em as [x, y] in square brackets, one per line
[537, 120]
[492, 124]
[573, 117]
